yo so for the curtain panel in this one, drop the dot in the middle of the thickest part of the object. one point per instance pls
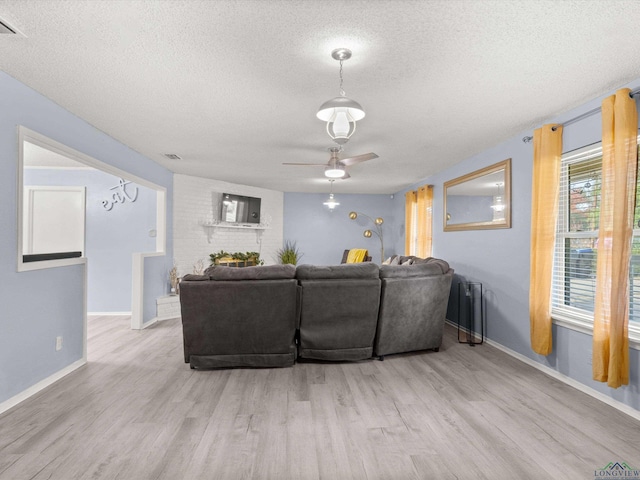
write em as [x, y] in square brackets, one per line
[425, 221]
[547, 153]
[619, 166]
[410, 201]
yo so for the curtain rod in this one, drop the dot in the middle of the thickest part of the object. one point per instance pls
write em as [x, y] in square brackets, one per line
[581, 117]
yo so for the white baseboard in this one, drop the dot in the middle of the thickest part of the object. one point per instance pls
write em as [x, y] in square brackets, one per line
[158, 319]
[109, 314]
[41, 385]
[624, 408]
[149, 323]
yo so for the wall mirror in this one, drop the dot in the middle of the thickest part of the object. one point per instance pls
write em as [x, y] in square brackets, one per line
[479, 200]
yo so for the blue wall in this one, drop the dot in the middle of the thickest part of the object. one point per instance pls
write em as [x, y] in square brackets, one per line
[39, 305]
[497, 258]
[112, 236]
[322, 235]
[500, 258]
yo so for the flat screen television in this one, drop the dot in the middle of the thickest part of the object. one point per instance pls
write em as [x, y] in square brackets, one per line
[239, 209]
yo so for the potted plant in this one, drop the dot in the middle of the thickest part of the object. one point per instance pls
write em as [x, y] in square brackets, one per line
[289, 253]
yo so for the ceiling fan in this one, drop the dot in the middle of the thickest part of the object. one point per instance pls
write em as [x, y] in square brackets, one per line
[336, 167]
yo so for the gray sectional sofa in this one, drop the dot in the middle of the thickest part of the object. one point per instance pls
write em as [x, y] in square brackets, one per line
[413, 306]
[339, 311]
[267, 316]
[240, 317]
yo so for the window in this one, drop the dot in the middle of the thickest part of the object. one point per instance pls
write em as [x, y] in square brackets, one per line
[576, 247]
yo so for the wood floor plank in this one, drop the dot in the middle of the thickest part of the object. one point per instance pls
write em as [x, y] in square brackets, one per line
[137, 411]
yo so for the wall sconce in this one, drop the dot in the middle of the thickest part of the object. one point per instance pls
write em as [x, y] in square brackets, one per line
[377, 224]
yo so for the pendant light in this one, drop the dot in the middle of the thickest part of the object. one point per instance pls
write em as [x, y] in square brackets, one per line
[498, 201]
[331, 202]
[341, 113]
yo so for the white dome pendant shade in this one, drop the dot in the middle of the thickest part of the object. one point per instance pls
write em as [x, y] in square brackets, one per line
[341, 113]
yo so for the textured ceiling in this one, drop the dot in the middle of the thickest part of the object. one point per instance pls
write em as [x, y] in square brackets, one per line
[233, 86]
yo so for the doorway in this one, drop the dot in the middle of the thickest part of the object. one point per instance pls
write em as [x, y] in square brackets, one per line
[122, 222]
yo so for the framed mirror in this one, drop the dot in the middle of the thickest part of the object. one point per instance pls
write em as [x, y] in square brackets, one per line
[480, 200]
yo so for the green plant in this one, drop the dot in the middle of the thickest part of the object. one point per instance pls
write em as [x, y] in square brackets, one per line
[255, 256]
[237, 256]
[289, 253]
[218, 256]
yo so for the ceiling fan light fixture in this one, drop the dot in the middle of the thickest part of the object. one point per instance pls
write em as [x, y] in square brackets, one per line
[334, 172]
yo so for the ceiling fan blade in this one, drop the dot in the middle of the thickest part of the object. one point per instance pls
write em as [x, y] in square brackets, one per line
[359, 158]
[307, 164]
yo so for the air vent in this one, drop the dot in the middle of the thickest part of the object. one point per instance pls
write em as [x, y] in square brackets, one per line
[173, 156]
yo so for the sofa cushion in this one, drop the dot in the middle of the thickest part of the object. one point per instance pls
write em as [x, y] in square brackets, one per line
[195, 278]
[444, 266]
[347, 270]
[436, 267]
[267, 272]
[418, 260]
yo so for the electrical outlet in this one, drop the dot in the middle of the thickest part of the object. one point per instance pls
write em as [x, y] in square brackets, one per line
[58, 343]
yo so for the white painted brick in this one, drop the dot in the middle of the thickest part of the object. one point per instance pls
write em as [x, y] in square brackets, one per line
[168, 307]
[194, 205]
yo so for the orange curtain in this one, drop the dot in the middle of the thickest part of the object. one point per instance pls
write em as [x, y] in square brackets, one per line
[410, 199]
[425, 221]
[547, 152]
[619, 166]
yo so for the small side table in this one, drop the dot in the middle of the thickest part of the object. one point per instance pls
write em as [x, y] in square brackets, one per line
[470, 313]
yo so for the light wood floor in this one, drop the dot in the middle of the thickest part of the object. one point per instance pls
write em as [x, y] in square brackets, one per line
[136, 411]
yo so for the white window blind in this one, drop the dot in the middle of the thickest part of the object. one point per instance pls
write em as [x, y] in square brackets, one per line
[576, 247]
